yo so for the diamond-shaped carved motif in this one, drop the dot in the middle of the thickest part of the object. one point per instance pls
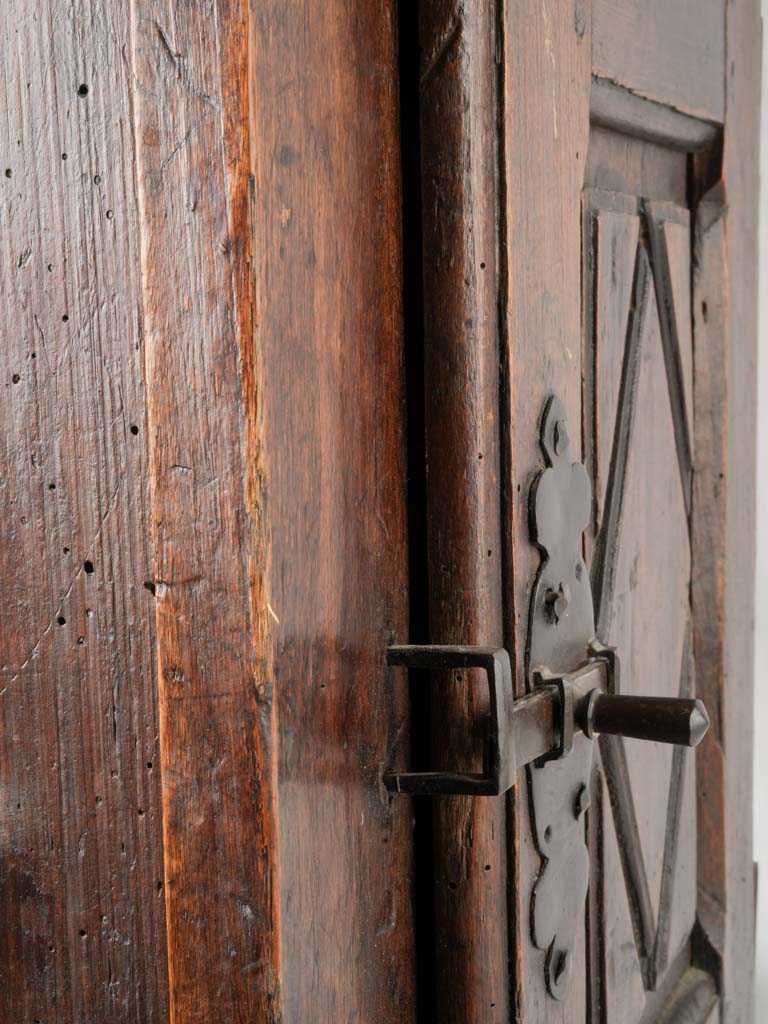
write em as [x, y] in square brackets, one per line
[641, 549]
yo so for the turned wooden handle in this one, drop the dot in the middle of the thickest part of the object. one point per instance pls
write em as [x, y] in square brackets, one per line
[663, 719]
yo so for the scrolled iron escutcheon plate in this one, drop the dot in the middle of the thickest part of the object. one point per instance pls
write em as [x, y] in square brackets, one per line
[561, 631]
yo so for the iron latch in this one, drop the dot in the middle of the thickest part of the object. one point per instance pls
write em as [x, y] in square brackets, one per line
[573, 692]
[540, 727]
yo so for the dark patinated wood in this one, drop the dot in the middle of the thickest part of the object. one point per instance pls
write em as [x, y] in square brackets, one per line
[330, 479]
[203, 494]
[204, 504]
[190, 109]
[81, 867]
[681, 721]
[461, 357]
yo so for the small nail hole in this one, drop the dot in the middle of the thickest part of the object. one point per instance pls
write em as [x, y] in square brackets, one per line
[134, 429]
[61, 620]
[88, 566]
[15, 378]
[8, 172]
[82, 90]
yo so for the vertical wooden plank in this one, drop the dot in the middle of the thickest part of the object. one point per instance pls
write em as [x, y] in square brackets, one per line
[708, 550]
[83, 931]
[328, 356]
[460, 152]
[740, 172]
[547, 56]
[190, 67]
[725, 322]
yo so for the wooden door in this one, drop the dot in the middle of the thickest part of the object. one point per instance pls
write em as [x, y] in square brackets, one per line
[203, 515]
[286, 288]
[589, 183]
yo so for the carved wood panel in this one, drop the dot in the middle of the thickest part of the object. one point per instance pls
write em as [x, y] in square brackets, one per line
[638, 404]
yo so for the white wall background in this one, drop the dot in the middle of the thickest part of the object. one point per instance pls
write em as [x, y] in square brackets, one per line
[761, 616]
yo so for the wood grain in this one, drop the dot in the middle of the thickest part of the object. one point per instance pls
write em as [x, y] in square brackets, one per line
[708, 553]
[328, 353]
[547, 67]
[279, 531]
[740, 178]
[81, 868]
[626, 113]
[216, 714]
[459, 159]
[670, 52]
[641, 570]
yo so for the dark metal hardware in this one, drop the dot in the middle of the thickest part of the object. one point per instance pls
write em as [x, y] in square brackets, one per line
[518, 731]
[541, 726]
[573, 683]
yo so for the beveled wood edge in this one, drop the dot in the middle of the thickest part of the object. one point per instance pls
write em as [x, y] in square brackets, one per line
[741, 182]
[692, 1001]
[612, 106]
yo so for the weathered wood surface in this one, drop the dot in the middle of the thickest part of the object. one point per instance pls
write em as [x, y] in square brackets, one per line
[328, 355]
[670, 51]
[740, 177]
[216, 701]
[547, 64]
[81, 868]
[203, 481]
[709, 554]
[461, 358]
[638, 401]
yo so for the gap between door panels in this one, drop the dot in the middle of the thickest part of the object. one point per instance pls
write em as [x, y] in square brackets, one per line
[413, 359]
